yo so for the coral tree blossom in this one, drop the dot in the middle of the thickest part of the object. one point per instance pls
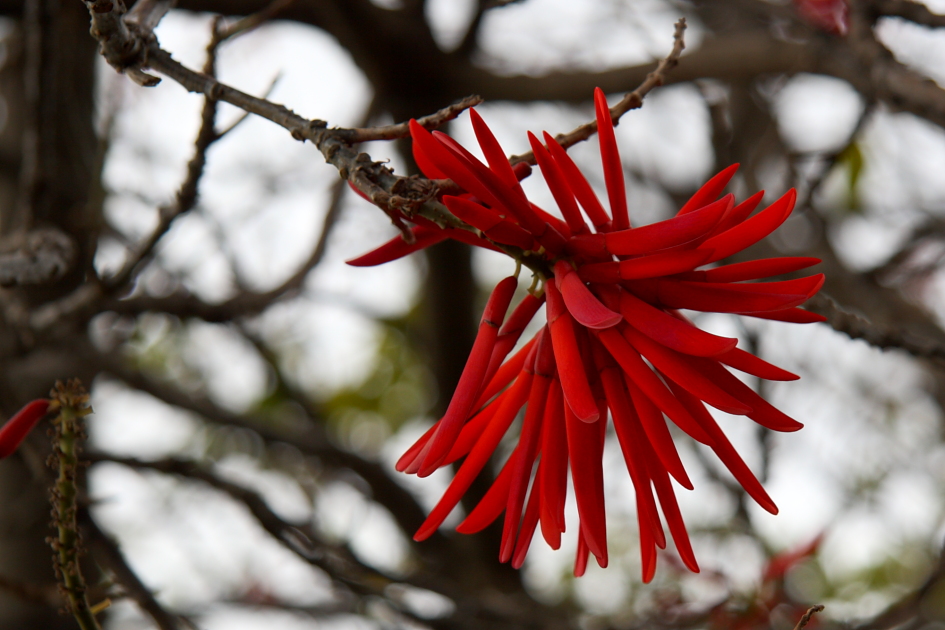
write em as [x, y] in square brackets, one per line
[616, 343]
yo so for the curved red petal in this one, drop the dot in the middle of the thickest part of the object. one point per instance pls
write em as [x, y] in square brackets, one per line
[582, 304]
[668, 233]
[752, 230]
[577, 390]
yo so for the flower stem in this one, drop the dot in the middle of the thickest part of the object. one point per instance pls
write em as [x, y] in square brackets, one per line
[73, 404]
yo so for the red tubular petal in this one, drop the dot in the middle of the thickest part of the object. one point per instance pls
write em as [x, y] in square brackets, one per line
[509, 335]
[643, 377]
[411, 454]
[492, 504]
[558, 186]
[470, 382]
[738, 213]
[755, 269]
[581, 303]
[471, 432]
[631, 437]
[451, 165]
[664, 489]
[727, 453]
[763, 412]
[610, 158]
[722, 298]
[578, 184]
[752, 230]
[586, 447]
[529, 522]
[427, 166]
[695, 408]
[588, 245]
[397, 247]
[789, 315]
[491, 148]
[577, 391]
[580, 558]
[490, 222]
[651, 266]
[658, 434]
[668, 233]
[710, 190]
[647, 554]
[560, 226]
[477, 457]
[671, 332]
[750, 364]
[18, 427]
[676, 367]
[807, 285]
[554, 466]
[505, 373]
[506, 195]
[528, 444]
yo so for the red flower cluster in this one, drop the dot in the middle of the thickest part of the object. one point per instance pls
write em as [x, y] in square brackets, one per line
[615, 340]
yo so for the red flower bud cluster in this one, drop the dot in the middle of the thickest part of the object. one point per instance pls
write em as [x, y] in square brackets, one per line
[615, 344]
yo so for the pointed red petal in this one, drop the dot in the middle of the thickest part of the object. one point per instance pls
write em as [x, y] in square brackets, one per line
[756, 269]
[668, 233]
[789, 315]
[470, 382]
[631, 363]
[554, 466]
[658, 434]
[490, 222]
[504, 373]
[722, 298]
[750, 364]
[664, 489]
[558, 186]
[752, 230]
[738, 213]
[677, 367]
[763, 412]
[477, 457]
[610, 157]
[491, 148]
[397, 247]
[578, 184]
[651, 266]
[492, 504]
[577, 391]
[586, 447]
[529, 522]
[528, 444]
[710, 190]
[671, 332]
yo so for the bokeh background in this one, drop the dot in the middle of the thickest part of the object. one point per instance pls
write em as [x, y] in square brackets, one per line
[309, 394]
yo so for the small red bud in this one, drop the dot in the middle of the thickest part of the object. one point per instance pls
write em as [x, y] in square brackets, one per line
[17, 427]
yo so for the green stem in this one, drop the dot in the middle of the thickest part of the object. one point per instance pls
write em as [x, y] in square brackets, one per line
[73, 406]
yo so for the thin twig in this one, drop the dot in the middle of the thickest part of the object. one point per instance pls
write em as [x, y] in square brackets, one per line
[806, 618]
[402, 130]
[633, 100]
[857, 327]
